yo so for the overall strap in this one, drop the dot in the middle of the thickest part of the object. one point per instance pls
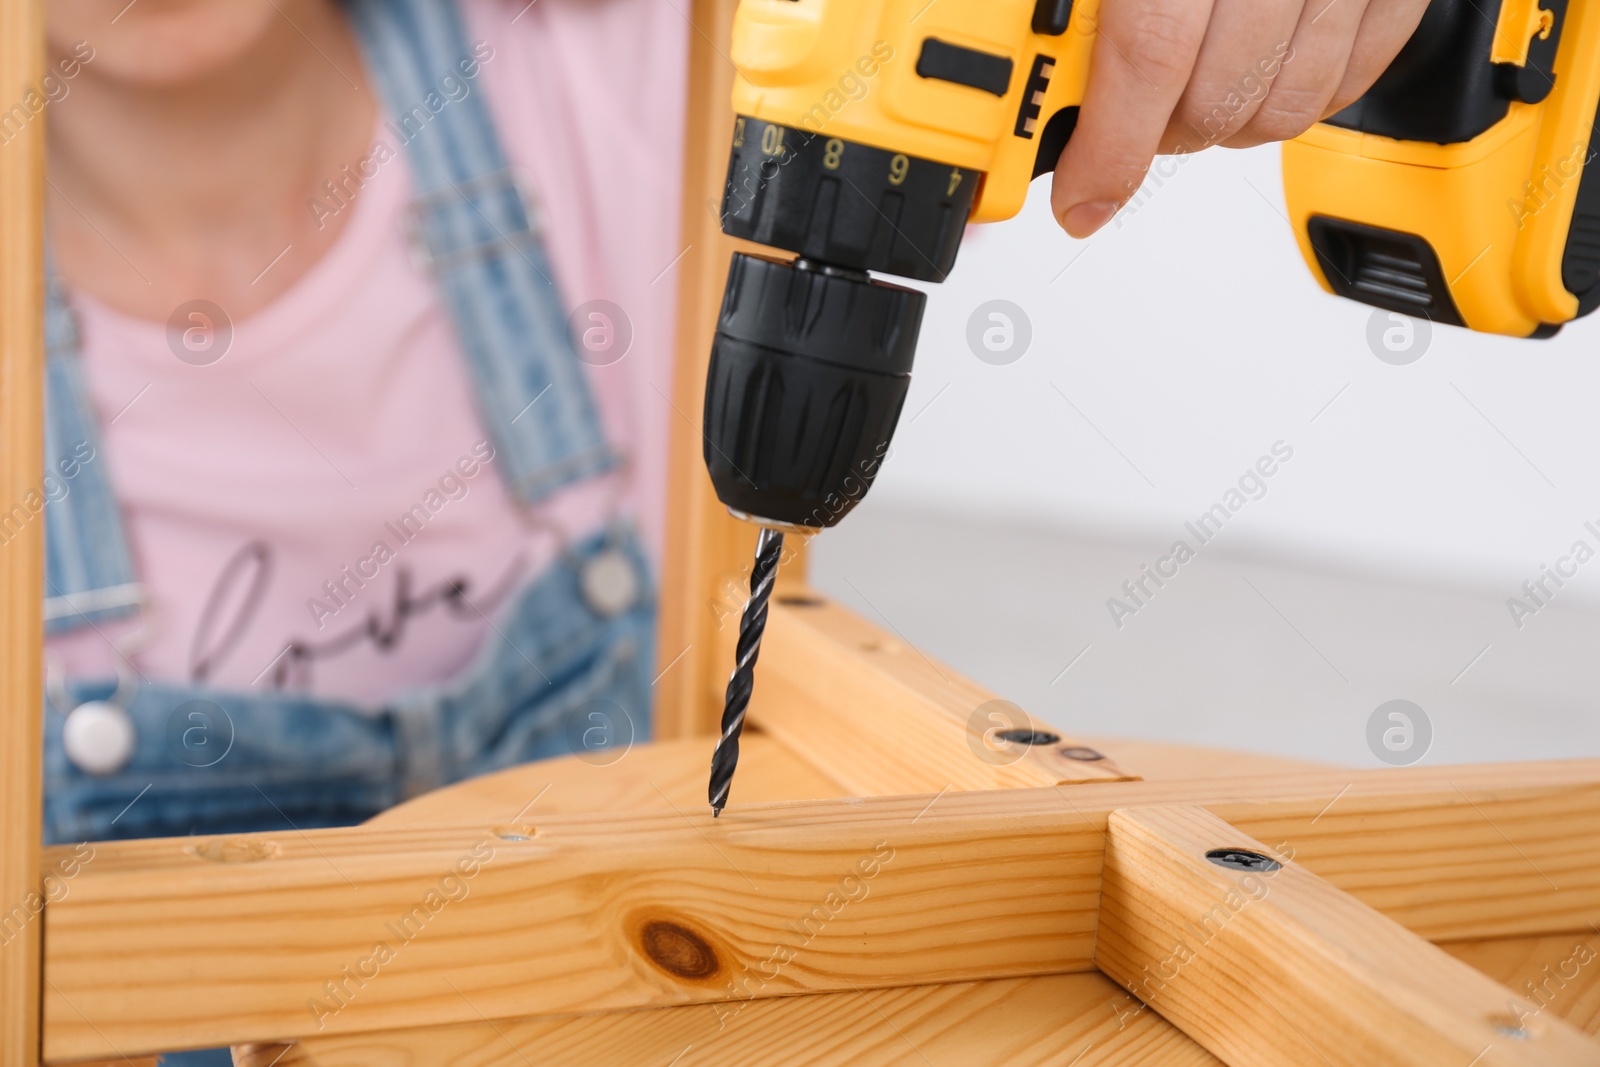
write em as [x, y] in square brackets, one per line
[88, 569]
[473, 228]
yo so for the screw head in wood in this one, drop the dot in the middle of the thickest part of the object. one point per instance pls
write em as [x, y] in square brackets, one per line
[1240, 859]
[1000, 733]
[1027, 737]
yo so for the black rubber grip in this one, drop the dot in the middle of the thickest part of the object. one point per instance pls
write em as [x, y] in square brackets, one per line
[1580, 263]
[1441, 87]
[809, 371]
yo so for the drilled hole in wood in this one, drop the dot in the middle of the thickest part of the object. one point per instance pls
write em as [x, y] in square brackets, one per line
[794, 600]
[678, 950]
[233, 850]
[516, 833]
[1080, 752]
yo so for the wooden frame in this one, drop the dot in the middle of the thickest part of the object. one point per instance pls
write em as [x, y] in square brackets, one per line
[21, 558]
[621, 911]
[916, 889]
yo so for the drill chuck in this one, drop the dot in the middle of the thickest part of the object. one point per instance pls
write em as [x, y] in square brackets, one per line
[812, 359]
[809, 371]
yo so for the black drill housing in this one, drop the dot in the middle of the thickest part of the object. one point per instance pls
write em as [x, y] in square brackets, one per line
[812, 358]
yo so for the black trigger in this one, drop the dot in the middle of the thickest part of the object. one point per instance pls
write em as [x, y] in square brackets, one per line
[1053, 141]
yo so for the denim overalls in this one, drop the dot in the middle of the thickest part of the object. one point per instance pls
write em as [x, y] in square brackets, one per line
[567, 664]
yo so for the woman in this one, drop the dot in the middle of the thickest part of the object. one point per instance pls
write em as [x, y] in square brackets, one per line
[348, 515]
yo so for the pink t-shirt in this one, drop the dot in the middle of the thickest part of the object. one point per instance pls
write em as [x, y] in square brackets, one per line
[249, 483]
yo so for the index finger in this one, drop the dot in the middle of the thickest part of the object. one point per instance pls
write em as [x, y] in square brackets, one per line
[1143, 55]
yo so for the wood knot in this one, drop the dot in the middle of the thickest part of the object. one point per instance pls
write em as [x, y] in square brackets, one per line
[678, 950]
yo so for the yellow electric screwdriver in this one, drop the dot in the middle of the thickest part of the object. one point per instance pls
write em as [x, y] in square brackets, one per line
[870, 132]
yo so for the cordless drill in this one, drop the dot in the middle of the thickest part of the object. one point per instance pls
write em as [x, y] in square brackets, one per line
[870, 132]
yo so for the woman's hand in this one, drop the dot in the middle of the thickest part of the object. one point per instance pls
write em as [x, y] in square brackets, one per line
[1171, 76]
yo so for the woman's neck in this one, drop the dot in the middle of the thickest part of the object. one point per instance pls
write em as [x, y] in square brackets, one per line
[163, 194]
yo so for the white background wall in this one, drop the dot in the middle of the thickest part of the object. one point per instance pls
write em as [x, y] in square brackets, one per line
[1377, 567]
[1193, 337]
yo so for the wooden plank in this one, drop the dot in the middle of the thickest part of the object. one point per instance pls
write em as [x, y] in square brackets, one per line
[883, 718]
[1557, 971]
[1073, 1020]
[22, 552]
[1559, 974]
[664, 774]
[1266, 967]
[175, 943]
[1496, 866]
[706, 550]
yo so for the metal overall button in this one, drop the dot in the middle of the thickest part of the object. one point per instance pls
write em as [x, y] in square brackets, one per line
[609, 582]
[98, 738]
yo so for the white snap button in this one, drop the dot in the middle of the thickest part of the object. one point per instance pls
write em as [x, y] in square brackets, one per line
[610, 583]
[98, 738]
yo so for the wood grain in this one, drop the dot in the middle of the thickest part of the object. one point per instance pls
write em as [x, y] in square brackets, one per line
[1279, 966]
[1079, 1020]
[179, 943]
[22, 554]
[996, 1016]
[884, 718]
[668, 774]
[672, 775]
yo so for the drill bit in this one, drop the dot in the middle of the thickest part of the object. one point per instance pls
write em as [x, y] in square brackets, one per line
[740, 684]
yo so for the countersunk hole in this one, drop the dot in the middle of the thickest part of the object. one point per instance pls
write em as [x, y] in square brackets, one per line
[1025, 736]
[678, 950]
[516, 833]
[795, 600]
[1079, 752]
[1242, 859]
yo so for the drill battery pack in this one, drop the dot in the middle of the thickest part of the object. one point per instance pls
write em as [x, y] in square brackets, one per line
[1462, 187]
